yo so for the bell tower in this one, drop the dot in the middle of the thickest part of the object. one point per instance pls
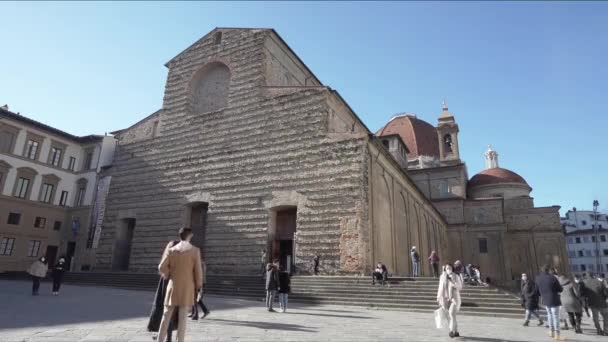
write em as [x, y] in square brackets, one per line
[447, 133]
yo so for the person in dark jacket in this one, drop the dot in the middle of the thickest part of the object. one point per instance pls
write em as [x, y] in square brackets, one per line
[156, 313]
[572, 302]
[529, 299]
[549, 289]
[415, 262]
[57, 275]
[595, 293]
[284, 289]
[272, 284]
[380, 273]
[315, 261]
[434, 261]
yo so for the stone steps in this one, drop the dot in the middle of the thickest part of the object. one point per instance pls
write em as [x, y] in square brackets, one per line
[404, 294]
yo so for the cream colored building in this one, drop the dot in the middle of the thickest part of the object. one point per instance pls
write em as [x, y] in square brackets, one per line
[48, 182]
[492, 220]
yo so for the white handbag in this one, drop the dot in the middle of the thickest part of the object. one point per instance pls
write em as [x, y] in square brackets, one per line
[441, 319]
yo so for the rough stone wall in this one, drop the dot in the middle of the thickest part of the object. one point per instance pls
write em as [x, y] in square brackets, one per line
[236, 159]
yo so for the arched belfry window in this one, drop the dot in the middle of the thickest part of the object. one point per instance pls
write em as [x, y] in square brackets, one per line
[447, 141]
[210, 87]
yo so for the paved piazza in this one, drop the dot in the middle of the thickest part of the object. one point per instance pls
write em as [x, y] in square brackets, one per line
[103, 314]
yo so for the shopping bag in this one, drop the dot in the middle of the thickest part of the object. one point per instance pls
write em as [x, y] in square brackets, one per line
[441, 319]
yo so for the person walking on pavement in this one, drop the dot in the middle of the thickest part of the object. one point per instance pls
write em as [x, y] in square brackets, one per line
[448, 296]
[595, 293]
[183, 267]
[284, 289]
[549, 289]
[159, 303]
[315, 261]
[415, 262]
[57, 274]
[572, 302]
[434, 261]
[199, 298]
[529, 299]
[272, 285]
[38, 272]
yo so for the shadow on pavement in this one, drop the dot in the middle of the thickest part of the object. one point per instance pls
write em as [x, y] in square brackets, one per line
[263, 325]
[328, 315]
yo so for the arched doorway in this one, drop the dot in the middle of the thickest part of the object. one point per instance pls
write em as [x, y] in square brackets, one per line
[282, 238]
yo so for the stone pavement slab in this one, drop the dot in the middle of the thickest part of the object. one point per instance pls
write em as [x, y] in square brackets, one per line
[102, 314]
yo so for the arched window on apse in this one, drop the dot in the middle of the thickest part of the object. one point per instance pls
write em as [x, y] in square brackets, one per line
[210, 87]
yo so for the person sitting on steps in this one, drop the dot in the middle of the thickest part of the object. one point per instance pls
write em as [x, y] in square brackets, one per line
[380, 273]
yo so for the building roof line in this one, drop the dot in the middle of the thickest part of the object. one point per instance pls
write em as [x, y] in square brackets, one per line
[39, 125]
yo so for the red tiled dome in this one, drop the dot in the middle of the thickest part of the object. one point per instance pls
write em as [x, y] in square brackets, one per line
[496, 176]
[419, 136]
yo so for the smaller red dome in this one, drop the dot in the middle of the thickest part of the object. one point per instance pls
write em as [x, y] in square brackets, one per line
[496, 175]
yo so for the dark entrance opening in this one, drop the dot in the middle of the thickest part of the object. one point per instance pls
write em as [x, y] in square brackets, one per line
[198, 223]
[51, 255]
[122, 245]
[283, 246]
[69, 254]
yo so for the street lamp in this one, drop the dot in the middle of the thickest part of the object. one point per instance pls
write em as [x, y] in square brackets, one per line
[597, 238]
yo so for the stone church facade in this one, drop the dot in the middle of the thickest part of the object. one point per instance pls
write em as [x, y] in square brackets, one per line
[253, 152]
[492, 220]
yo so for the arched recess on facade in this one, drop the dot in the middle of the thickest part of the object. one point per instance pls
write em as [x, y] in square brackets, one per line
[383, 244]
[414, 230]
[548, 253]
[209, 88]
[401, 234]
[424, 241]
[4, 170]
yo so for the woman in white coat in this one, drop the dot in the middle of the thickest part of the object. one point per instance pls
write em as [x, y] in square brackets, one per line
[448, 296]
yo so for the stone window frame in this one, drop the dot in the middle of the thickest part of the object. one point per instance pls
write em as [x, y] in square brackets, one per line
[4, 170]
[8, 219]
[15, 131]
[40, 222]
[72, 163]
[33, 137]
[33, 245]
[483, 245]
[87, 164]
[63, 201]
[60, 146]
[80, 195]
[27, 173]
[4, 246]
[52, 180]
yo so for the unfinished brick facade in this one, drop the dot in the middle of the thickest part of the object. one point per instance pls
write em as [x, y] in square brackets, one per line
[246, 135]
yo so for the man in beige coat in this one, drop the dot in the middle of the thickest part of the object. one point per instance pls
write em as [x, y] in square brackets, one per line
[181, 264]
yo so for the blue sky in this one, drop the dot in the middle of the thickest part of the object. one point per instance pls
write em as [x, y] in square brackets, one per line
[528, 78]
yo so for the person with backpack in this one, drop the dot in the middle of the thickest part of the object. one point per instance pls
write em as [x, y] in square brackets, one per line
[415, 262]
